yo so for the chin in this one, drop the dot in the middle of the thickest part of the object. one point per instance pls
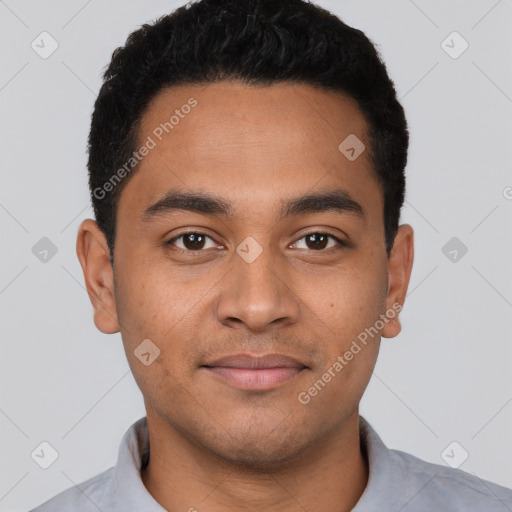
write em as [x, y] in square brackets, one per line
[255, 458]
[259, 449]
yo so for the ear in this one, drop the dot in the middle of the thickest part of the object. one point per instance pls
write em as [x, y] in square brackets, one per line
[399, 272]
[94, 255]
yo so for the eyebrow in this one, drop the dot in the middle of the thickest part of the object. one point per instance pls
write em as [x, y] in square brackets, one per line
[337, 201]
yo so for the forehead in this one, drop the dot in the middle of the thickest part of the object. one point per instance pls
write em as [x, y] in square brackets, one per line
[252, 145]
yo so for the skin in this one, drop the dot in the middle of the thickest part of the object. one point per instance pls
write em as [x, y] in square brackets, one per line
[214, 446]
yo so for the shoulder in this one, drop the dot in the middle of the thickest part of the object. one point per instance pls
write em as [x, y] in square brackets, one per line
[433, 486]
[84, 497]
[401, 481]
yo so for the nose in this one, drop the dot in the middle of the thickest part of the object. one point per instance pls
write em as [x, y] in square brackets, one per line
[257, 296]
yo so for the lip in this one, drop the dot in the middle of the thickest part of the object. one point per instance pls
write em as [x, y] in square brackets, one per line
[255, 372]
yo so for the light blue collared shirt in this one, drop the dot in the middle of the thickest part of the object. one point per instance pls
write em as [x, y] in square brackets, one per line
[398, 482]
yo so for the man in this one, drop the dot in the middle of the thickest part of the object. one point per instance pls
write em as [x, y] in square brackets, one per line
[246, 166]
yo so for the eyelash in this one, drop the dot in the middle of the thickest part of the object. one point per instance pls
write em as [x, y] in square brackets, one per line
[190, 252]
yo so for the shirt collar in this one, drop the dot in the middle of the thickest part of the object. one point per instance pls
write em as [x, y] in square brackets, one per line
[382, 486]
[128, 490]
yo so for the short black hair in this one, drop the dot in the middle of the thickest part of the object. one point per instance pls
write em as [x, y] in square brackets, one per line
[261, 43]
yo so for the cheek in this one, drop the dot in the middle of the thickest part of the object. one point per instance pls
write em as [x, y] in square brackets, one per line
[152, 305]
[349, 305]
[155, 321]
[346, 301]
[150, 302]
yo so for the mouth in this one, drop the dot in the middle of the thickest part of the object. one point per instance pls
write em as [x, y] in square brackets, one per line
[257, 373]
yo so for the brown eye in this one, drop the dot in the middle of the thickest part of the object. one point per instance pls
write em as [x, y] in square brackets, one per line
[191, 241]
[319, 241]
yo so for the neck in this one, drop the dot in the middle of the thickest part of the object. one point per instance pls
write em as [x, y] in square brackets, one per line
[184, 476]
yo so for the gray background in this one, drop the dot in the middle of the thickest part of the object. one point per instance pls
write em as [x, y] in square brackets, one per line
[445, 378]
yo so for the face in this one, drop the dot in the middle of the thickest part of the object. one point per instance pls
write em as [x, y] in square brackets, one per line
[250, 251]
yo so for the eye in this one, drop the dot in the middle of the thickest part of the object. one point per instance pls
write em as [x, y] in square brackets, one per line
[192, 241]
[319, 241]
[195, 241]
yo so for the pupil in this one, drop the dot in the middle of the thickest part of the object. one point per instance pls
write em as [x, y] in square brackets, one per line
[318, 240]
[193, 241]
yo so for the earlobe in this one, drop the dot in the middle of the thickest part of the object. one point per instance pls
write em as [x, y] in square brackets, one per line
[94, 255]
[399, 272]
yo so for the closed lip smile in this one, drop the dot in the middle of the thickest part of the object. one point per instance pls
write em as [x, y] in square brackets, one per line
[255, 372]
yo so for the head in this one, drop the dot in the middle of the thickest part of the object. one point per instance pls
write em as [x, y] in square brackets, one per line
[246, 164]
